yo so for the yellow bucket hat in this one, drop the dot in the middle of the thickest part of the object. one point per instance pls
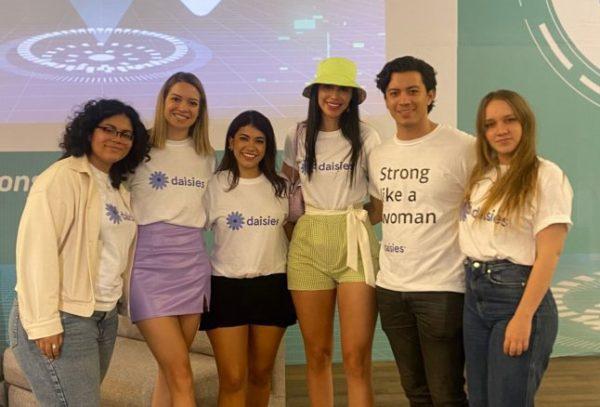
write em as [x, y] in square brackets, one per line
[336, 71]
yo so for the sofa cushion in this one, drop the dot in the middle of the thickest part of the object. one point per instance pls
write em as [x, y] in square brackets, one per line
[201, 344]
[3, 394]
[21, 397]
[130, 378]
[12, 371]
[127, 329]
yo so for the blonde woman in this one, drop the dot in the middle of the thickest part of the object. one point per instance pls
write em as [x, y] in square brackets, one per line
[513, 226]
[170, 285]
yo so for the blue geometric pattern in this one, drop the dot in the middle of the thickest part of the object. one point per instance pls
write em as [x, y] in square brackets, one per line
[303, 166]
[235, 221]
[464, 210]
[158, 180]
[113, 213]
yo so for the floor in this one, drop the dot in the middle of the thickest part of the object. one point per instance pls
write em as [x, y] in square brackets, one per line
[569, 381]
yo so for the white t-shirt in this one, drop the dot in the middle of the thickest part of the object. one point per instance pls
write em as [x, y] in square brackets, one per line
[497, 237]
[330, 187]
[169, 187]
[248, 227]
[421, 184]
[117, 229]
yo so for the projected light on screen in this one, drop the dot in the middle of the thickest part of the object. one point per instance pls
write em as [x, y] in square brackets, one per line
[249, 55]
[129, 54]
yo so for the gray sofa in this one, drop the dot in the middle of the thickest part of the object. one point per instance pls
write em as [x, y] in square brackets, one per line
[3, 400]
[131, 375]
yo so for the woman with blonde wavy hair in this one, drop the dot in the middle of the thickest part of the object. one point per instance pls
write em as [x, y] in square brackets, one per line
[170, 283]
[514, 222]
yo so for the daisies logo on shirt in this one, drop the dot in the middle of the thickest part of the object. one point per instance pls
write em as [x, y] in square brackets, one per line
[159, 180]
[116, 216]
[468, 210]
[236, 221]
[333, 166]
[394, 248]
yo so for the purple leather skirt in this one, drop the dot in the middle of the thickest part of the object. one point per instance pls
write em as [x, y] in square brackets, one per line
[171, 272]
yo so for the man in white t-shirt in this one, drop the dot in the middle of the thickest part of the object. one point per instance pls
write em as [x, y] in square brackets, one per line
[419, 178]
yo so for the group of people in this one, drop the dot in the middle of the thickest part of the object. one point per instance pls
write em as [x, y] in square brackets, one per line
[472, 230]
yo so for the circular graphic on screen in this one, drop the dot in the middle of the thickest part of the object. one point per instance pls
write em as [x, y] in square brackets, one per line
[567, 38]
[127, 55]
[578, 308]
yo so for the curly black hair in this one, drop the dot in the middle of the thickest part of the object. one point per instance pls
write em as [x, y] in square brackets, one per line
[77, 138]
[407, 64]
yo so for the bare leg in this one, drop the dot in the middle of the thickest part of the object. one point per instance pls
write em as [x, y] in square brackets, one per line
[263, 346]
[357, 311]
[231, 353]
[315, 314]
[161, 396]
[164, 336]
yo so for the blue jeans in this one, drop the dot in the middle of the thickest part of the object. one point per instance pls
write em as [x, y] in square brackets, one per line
[495, 379]
[73, 379]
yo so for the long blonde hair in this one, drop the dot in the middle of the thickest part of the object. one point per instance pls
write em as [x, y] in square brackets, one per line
[198, 131]
[515, 189]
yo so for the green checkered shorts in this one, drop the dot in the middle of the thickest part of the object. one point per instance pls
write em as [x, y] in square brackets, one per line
[317, 253]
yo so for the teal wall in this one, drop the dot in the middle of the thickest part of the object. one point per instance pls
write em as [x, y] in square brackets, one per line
[16, 171]
[496, 50]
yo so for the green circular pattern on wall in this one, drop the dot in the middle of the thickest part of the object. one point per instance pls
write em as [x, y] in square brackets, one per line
[567, 37]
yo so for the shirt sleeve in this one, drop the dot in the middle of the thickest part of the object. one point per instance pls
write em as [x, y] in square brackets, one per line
[554, 199]
[372, 171]
[213, 165]
[371, 140]
[208, 201]
[468, 162]
[45, 220]
[289, 150]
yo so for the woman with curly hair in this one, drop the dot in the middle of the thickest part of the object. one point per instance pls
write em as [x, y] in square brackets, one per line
[513, 227]
[74, 251]
[170, 280]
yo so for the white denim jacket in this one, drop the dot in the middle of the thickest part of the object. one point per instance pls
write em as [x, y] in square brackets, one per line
[58, 247]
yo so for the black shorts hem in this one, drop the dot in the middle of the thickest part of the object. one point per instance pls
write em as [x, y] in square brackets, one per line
[262, 300]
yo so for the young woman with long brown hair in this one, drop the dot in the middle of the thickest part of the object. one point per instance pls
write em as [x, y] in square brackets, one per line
[513, 226]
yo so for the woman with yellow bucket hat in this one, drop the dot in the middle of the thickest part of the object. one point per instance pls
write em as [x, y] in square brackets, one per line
[333, 251]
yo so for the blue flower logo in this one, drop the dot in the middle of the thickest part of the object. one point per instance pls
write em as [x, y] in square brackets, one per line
[465, 209]
[235, 221]
[158, 180]
[113, 213]
[303, 167]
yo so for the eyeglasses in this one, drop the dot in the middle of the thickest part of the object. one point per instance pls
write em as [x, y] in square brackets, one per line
[112, 131]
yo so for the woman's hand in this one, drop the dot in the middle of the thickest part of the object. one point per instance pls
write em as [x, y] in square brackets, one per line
[50, 345]
[375, 209]
[516, 337]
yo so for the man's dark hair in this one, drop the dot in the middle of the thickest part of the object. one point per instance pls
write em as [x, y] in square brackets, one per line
[407, 64]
